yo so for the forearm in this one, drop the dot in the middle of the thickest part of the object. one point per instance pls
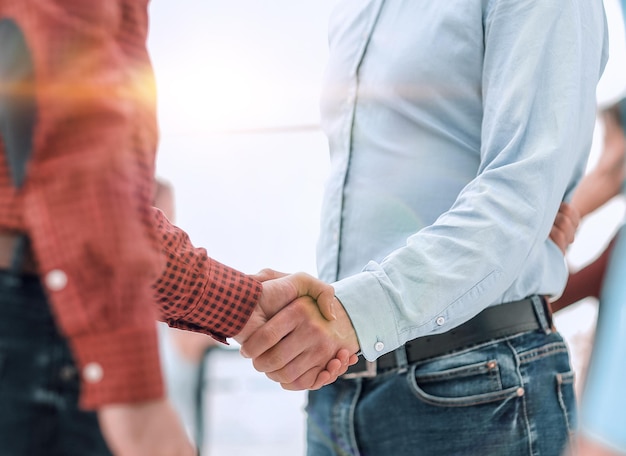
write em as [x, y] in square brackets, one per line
[606, 179]
[596, 188]
[584, 283]
[195, 292]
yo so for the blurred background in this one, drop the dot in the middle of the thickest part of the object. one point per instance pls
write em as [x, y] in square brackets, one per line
[238, 84]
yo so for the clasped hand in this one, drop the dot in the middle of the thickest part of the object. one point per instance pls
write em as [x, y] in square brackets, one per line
[299, 334]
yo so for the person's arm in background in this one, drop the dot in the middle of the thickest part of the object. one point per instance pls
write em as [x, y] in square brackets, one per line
[584, 283]
[605, 180]
[597, 187]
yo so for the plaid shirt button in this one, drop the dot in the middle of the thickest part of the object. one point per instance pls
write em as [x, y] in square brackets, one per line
[93, 373]
[56, 280]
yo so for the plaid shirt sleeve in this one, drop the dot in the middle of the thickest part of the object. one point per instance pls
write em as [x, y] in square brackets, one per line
[197, 293]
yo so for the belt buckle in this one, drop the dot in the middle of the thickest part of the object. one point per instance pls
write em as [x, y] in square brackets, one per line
[369, 372]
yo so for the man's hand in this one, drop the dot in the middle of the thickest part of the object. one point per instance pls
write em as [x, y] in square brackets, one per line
[144, 429]
[279, 291]
[565, 226]
[297, 342]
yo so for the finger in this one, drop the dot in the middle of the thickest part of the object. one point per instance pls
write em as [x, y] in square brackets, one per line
[336, 365]
[310, 380]
[268, 274]
[352, 359]
[563, 232]
[567, 226]
[574, 215]
[310, 359]
[301, 371]
[558, 238]
[345, 360]
[293, 330]
[299, 351]
[326, 304]
[334, 368]
[331, 374]
[323, 378]
[280, 361]
[270, 333]
[308, 346]
[313, 378]
[569, 214]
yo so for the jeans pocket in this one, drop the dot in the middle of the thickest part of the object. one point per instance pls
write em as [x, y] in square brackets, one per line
[567, 398]
[460, 386]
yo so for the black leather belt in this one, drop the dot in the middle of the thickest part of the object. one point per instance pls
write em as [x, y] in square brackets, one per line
[492, 323]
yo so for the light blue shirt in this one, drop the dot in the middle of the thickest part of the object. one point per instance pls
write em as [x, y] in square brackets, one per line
[456, 128]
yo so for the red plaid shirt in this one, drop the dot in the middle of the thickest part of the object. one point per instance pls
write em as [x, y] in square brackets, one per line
[103, 251]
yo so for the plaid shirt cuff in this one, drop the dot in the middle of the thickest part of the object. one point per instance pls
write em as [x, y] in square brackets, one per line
[118, 367]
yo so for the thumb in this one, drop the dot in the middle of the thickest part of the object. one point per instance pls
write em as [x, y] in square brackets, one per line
[323, 293]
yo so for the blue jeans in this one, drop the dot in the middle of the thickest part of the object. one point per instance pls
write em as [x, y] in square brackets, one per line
[508, 397]
[39, 384]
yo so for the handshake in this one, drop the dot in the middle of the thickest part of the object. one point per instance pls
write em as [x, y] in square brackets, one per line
[299, 334]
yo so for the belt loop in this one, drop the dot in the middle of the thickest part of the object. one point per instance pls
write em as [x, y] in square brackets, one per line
[401, 358]
[540, 312]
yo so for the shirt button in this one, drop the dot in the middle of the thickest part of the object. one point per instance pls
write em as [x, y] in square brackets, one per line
[93, 373]
[56, 280]
[379, 346]
[440, 321]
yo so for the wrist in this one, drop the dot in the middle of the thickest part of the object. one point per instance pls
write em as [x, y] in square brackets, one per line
[345, 328]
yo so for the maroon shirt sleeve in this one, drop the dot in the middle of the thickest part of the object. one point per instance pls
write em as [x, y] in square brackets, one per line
[586, 282]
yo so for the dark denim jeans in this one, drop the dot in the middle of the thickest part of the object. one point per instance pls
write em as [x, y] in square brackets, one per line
[509, 397]
[39, 384]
